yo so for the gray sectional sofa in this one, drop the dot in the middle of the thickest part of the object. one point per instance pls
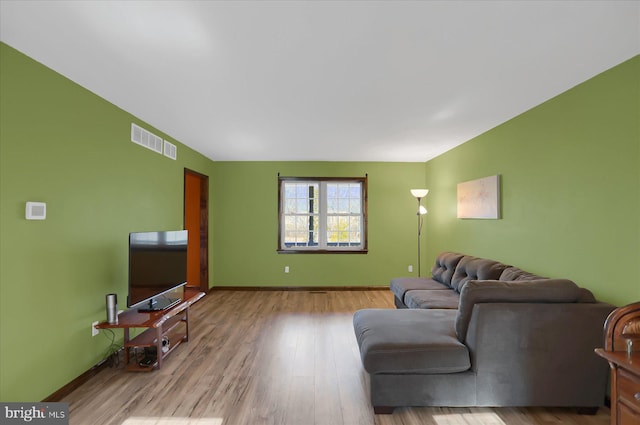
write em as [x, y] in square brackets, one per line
[482, 333]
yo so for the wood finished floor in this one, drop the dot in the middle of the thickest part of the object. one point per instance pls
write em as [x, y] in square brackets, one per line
[273, 357]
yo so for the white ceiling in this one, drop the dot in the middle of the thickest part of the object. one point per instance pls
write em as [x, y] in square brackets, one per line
[324, 80]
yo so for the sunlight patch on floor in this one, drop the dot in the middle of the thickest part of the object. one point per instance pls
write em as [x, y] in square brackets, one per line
[479, 418]
[172, 421]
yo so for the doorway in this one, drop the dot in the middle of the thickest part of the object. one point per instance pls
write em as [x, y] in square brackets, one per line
[196, 221]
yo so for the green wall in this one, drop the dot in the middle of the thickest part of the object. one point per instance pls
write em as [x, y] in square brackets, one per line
[570, 188]
[571, 208]
[65, 146]
[246, 226]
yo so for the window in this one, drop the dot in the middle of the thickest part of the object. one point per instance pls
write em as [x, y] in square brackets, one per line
[322, 214]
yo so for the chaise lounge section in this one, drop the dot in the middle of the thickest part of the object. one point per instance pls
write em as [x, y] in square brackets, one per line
[525, 341]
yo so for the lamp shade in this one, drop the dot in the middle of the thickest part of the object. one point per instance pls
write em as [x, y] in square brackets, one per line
[419, 193]
[422, 210]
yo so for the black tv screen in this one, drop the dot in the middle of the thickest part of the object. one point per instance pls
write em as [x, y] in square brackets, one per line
[157, 265]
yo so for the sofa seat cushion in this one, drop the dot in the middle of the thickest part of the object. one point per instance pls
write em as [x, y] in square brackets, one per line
[432, 299]
[400, 285]
[409, 342]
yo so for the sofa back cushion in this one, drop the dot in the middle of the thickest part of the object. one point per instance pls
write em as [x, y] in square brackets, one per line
[494, 291]
[514, 273]
[473, 268]
[444, 267]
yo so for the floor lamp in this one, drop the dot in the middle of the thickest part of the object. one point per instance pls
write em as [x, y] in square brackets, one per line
[419, 194]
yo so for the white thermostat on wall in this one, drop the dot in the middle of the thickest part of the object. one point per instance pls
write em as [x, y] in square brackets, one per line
[36, 211]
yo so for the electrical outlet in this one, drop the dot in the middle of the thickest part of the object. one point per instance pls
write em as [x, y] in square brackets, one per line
[94, 330]
[286, 269]
[410, 268]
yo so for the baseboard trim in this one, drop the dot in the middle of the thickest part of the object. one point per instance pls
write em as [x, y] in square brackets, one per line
[60, 394]
[299, 288]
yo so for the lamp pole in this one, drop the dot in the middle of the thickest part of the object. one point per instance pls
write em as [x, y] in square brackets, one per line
[419, 194]
[419, 233]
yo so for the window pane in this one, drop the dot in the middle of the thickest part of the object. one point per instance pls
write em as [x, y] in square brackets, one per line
[343, 223]
[301, 206]
[332, 191]
[289, 206]
[289, 223]
[289, 190]
[316, 199]
[332, 201]
[301, 238]
[343, 206]
[289, 230]
[316, 229]
[332, 205]
[298, 233]
[354, 224]
[302, 223]
[301, 191]
[354, 206]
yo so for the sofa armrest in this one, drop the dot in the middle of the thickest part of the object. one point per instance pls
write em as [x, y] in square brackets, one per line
[525, 291]
[539, 354]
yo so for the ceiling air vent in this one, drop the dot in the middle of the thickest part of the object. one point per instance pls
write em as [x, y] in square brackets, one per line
[170, 150]
[145, 138]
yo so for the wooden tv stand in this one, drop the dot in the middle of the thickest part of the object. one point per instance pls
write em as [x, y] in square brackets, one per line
[172, 323]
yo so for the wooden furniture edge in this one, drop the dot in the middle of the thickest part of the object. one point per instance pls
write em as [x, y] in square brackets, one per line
[613, 325]
[75, 383]
[622, 324]
[631, 363]
[130, 318]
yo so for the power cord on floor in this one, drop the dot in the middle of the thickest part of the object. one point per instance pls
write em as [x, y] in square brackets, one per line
[112, 357]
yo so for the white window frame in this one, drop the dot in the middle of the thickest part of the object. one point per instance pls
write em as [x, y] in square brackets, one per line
[323, 246]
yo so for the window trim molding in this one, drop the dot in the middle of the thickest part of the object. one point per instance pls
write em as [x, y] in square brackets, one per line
[365, 215]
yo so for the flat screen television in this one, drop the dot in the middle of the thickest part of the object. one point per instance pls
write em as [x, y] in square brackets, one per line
[157, 266]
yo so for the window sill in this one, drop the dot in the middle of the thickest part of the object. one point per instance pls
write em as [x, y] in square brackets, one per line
[322, 251]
